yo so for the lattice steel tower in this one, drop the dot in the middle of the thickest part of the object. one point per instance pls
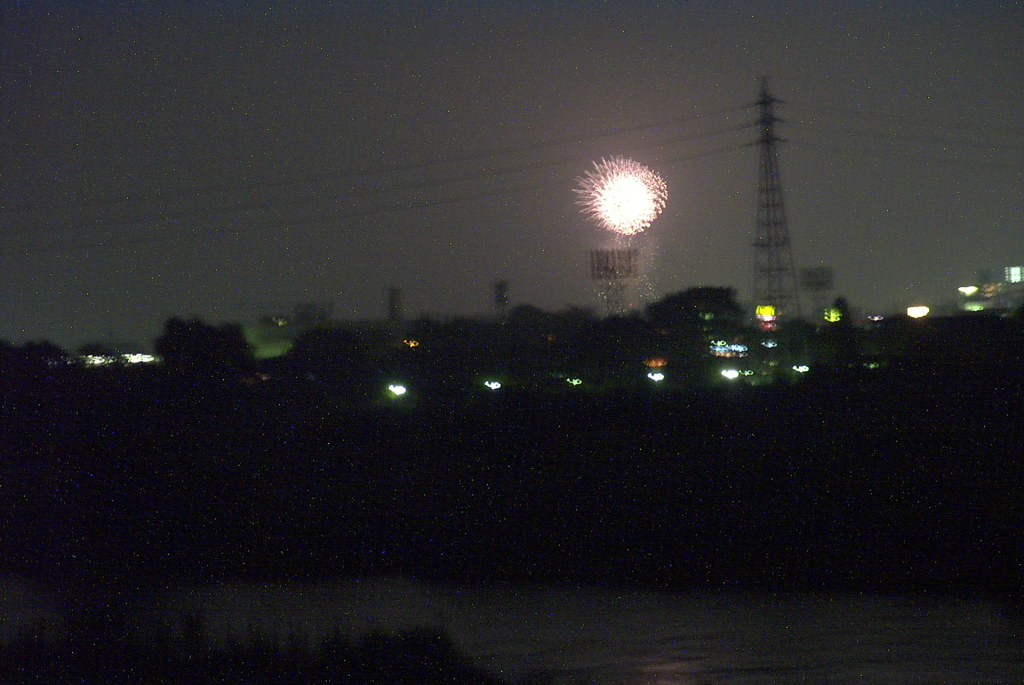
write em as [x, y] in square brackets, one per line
[775, 293]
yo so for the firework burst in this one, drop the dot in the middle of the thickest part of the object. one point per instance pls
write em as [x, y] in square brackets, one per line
[621, 195]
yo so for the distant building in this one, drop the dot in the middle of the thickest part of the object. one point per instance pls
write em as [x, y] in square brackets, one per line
[995, 291]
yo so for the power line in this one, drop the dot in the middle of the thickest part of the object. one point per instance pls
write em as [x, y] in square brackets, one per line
[900, 119]
[900, 137]
[175, 221]
[339, 174]
[913, 156]
[358, 194]
[314, 219]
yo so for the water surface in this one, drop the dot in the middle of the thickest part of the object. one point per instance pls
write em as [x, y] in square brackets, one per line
[586, 635]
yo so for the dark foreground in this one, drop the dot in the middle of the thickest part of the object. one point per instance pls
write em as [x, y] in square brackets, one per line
[420, 658]
[891, 483]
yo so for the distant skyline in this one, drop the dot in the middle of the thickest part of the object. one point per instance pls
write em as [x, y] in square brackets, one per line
[220, 158]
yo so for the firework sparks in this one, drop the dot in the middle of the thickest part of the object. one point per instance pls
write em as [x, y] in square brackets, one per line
[621, 195]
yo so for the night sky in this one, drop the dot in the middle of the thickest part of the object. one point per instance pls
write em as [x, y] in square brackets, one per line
[224, 158]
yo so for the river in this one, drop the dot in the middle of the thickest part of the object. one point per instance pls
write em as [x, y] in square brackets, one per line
[626, 637]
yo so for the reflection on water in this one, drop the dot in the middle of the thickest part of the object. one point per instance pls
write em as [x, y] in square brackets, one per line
[599, 636]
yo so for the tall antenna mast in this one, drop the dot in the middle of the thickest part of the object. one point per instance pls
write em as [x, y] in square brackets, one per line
[775, 293]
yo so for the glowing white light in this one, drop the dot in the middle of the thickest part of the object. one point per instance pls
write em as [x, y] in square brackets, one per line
[801, 368]
[573, 381]
[138, 358]
[769, 344]
[731, 374]
[397, 390]
[621, 195]
[968, 290]
[720, 348]
[493, 385]
[98, 359]
[918, 311]
[656, 376]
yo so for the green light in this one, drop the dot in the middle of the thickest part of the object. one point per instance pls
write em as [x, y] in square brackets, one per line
[833, 314]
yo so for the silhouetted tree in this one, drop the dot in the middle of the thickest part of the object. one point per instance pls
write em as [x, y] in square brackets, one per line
[685, 322]
[335, 356]
[704, 308]
[34, 360]
[197, 348]
[839, 345]
[614, 348]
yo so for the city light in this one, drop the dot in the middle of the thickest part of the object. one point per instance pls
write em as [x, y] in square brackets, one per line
[766, 315]
[968, 290]
[397, 389]
[720, 348]
[98, 359]
[493, 385]
[108, 359]
[917, 311]
[801, 368]
[656, 376]
[731, 374]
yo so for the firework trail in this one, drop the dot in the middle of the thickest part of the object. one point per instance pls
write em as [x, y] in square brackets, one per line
[621, 195]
